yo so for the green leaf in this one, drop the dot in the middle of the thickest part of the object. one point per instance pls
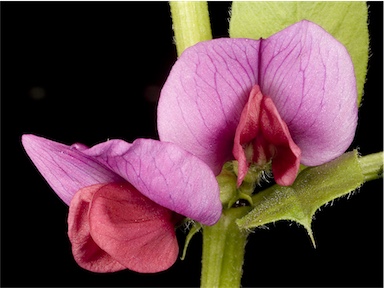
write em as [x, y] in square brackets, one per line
[346, 21]
[313, 188]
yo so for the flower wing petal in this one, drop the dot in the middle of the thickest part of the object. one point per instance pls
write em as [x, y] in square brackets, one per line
[310, 77]
[202, 100]
[84, 249]
[165, 173]
[286, 161]
[134, 230]
[246, 131]
[66, 168]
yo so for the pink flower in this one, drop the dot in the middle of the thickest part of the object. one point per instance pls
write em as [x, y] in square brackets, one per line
[125, 199]
[289, 99]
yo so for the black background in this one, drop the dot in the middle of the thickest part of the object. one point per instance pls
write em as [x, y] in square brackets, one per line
[89, 71]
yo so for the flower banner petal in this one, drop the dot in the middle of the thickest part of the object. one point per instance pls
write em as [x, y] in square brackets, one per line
[166, 174]
[309, 76]
[202, 100]
[347, 21]
[134, 230]
[66, 168]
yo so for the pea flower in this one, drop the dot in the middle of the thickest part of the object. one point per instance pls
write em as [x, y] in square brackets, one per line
[126, 198]
[287, 99]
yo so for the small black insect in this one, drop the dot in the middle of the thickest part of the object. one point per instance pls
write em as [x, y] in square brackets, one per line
[240, 203]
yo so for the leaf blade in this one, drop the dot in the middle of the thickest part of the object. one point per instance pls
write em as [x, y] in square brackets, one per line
[313, 188]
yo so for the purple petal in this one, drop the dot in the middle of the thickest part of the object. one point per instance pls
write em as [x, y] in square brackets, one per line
[202, 100]
[310, 77]
[64, 167]
[165, 173]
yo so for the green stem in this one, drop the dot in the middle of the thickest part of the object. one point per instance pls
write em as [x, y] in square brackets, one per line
[372, 166]
[223, 250]
[190, 23]
[224, 242]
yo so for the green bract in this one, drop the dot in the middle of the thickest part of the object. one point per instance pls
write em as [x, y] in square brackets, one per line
[346, 21]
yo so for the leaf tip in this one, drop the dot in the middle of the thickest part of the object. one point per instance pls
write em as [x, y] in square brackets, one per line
[310, 233]
[308, 227]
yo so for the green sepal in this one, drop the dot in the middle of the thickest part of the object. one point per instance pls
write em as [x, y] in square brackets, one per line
[196, 226]
[346, 21]
[314, 187]
[227, 183]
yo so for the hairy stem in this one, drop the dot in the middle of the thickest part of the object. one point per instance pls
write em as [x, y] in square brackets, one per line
[372, 166]
[223, 250]
[190, 23]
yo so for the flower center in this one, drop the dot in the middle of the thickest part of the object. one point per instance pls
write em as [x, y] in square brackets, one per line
[262, 136]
